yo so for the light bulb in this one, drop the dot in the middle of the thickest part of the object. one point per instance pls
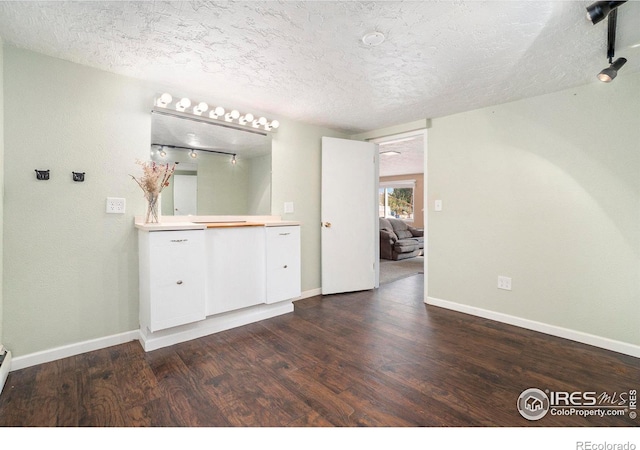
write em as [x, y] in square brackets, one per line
[233, 160]
[235, 114]
[275, 124]
[193, 154]
[164, 100]
[219, 111]
[248, 117]
[162, 153]
[183, 104]
[200, 108]
[262, 121]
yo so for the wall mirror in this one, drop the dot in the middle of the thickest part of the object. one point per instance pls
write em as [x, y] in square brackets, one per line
[220, 170]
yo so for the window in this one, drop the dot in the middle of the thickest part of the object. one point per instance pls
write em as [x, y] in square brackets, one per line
[396, 199]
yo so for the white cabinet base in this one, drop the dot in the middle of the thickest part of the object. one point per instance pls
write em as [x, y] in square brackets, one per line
[214, 324]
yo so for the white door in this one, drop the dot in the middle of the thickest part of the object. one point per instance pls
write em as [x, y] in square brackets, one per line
[349, 215]
[185, 195]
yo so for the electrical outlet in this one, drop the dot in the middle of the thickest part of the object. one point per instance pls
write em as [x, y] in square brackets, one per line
[504, 283]
[115, 205]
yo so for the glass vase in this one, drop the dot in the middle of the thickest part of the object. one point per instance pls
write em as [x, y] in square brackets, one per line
[153, 205]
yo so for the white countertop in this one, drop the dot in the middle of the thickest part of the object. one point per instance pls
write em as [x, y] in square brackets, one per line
[175, 223]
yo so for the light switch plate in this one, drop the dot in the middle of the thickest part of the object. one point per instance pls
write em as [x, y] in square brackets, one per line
[438, 205]
[288, 207]
[116, 205]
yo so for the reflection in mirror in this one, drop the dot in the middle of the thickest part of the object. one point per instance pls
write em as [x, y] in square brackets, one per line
[219, 170]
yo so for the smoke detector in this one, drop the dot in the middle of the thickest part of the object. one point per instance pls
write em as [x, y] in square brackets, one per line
[372, 39]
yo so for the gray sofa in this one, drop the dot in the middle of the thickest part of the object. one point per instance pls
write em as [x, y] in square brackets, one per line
[399, 240]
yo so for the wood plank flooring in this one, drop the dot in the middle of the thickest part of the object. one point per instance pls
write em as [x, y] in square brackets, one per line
[376, 359]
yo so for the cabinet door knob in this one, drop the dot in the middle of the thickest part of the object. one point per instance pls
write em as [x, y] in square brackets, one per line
[179, 282]
[285, 266]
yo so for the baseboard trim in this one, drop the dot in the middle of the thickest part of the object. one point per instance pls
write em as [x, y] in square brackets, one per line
[4, 370]
[553, 330]
[310, 293]
[153, 341]
[32, 359]
[214, 324]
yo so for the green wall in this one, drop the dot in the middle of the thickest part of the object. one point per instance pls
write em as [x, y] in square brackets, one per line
[546, 191]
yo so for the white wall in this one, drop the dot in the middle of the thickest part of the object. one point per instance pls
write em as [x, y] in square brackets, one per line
[71, 270]
[545, 191]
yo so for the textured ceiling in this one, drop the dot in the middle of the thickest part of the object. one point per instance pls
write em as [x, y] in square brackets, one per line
[306, 60]
[409, 157]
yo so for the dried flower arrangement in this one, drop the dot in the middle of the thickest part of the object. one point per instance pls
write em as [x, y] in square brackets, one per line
[155, 177]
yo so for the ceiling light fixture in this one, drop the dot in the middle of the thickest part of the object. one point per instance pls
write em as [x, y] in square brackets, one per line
[372, 39]
[247, 120]
[597, 11]
[395, 141]
[192, 151]
[607, 75]
[390, 153]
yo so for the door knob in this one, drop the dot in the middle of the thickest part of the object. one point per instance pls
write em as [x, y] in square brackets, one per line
[179, 282]
[327, 224]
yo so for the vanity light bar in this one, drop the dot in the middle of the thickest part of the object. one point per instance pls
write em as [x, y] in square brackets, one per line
[184, 105]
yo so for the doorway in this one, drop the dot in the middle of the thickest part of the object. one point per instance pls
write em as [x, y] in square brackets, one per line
[402, 197]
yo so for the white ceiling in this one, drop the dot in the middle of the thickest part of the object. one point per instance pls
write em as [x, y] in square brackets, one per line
[408, 160]
[306, 60]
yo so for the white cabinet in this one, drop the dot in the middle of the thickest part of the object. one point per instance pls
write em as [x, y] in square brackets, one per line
[283, 263]
[235, 275]
[191, 275]
[172, 281]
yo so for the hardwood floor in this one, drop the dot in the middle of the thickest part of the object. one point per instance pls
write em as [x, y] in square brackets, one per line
[376, 359]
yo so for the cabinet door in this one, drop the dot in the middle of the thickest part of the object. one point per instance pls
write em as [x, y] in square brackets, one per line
[283, 263]
[235, 268]
[176, 278]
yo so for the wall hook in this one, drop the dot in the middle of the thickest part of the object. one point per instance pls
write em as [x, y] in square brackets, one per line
[42, 174]
[78, 176]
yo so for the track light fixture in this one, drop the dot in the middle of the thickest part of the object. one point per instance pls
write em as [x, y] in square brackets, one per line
[192, 151]
[608, 74]
[597, 11]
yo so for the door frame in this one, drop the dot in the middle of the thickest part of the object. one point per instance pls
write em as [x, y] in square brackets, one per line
[394, 137]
